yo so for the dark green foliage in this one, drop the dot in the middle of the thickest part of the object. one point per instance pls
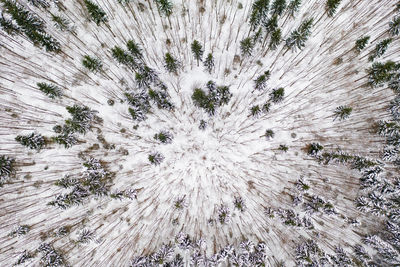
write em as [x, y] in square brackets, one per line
[381, 73]
[82, 118]
[256, 37]
[342, 112]
[29, 24]
[266, 107]
[388, 129]
[139, 105]
[6, 168]
[239, 204]
[272, 24]
[331, 6]
[61, 23]
[276, 38]
[259, 13]
[284, 148]
[50, 90]
[8, 26]
[32, 141]
[269, 134]
[161, 98]
[314, 148]
[121, 56]
[214, 98]
[50, 256]
[255, 111]
[135, 49]
[209, 63]
[171, 64]
[156, 158]
[197, 51]
[96, 13]
[293, 7]
[67, 182]
[39, 3]
[278, 6]
[261, 82]
[277, 95]
[164, 137]
[394, 26]
[380, 49]
[165, 7]
[361, 43]
[246, 47]
[65, 139]
[299, 37]
[92, 63]
[145, 76]
[202, 125]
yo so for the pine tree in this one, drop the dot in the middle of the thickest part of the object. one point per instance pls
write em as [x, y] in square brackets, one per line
[277, 7]
[255, 111]
[202, 125]
[331, 6]
[65, 139]
[260, 82]
[165, 7]
[293, 7]
[96, 13]
[395, 108]
[277, 95]
[342, 112]
[380, 49]
[135, 50]
[284, 148]
[275, 39]
[381, 73]
[171, 64]
[209, 63]
[361, 43]
[39, 3]
[246, 47]
[161, 98]
[269, 134]
[164, 137]
[298, 37]
[156, 158]
[50, 90]
[272, 24]
[32, 141]
[8, 26]
[314, 148]
[61, 23]
[92, 63]
[121, 56]
[259, 13]
[197, 51]
[6, 168]
[394, 26]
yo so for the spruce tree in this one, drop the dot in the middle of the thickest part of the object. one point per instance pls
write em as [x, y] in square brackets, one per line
[50, 90]
[272, 24]
[361, 43]
[92, 63]
[96, 13]
[260, 82]
[314, 148]
[259, 13]
[8, 26]
[381, 73]
[121, 56]
[277, 95]
[331, 6]
[255, 111]
[32, 141]
[298, 37]
[394, 26]
[197, 51]
[269, 134]
[246, 47]
[156, 158]
[6, 168]
[380, 49]
[276, 38]
[135, 49]
[277, 7]
[209, 63]
[40, 3]
[293, 7]
[165, 7]
[164, 137]
[171, 64]
[61, 23]
[342, 112]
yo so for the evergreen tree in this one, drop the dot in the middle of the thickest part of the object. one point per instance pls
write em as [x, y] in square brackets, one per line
[314, 148]
[61, 23]
[266, 107]
[394, 26]
[298, 37]
[161, 98]
[331, 6]
[50, 90]
[32, 141]
[202, 125]
[246, 47]
[284, 148]
[121, 56]
[65, 139]
[255, 111]
[135, 50]
[381, 73]
[261, 82]
[209, 63]
[140, 105]
[156, 158]
[277, 95]
[214, 98]
[197, 51]
[259, 13]
[277, 7]
[6, 168]
[165, 7]
[269, 134]
[92, 63]
[8, 26]
[293, 7]
[361, 43]
[342, 112]
[39, 3]
[275, 39]
[380, 49]
[272, 24]
[164, 137]
[171, 64]
[96, 13]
